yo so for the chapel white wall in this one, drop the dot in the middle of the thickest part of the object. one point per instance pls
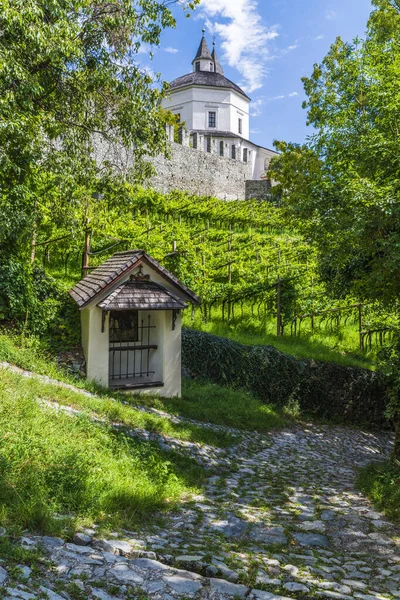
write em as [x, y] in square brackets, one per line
[165, 361]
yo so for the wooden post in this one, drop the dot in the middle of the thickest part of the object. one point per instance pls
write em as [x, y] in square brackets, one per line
[360, 326]
[229, 265]
[86, 250]
[278, 307]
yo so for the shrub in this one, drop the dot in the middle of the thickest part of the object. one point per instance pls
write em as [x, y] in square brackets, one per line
[381, 483]
[36, 304]
[330, 391]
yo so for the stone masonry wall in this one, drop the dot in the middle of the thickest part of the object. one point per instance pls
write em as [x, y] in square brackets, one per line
[258, 190]
[187, 169]
[201, 173]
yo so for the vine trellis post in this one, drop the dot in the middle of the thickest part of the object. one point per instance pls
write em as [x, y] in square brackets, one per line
[278, 308]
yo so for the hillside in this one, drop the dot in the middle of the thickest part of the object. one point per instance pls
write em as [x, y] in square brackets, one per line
[237, 256]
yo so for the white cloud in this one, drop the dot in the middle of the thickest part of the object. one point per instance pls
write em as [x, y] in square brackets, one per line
[171, 50]
[319, 37]
[293, 47]
[144, 48]
[330, 15]
[245, 38]
[255, 107]
[293, 94]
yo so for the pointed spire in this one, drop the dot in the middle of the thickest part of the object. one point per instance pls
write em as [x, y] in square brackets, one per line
[203, 51]
[218, 68]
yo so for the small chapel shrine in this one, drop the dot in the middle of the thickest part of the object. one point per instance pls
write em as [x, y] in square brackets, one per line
[131, 324]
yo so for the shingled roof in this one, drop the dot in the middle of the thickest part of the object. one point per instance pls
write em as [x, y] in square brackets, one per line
[114, 269]
[208, 79]
[203, 51]
[141, 295]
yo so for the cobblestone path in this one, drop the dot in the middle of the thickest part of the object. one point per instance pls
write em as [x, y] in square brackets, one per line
[280, 517]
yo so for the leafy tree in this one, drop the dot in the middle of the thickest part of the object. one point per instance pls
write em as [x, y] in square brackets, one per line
[345, 181]
[69, 80]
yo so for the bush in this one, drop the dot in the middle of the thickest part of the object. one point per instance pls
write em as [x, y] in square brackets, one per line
[328, 391]
[36, 304]
[381, 483]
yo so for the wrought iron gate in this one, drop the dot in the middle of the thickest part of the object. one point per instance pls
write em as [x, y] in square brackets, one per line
[130, 348]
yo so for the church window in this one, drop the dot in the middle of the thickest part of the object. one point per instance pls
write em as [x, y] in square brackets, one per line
[208, 144]
[194, 142]
[233, 151]
[240, 126]
[245, 155]
[212, 119]
[197, 66]
[221, 148]
[211, 66]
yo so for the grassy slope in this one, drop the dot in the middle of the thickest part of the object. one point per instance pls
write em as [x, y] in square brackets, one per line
[200, 401]
[51, 463]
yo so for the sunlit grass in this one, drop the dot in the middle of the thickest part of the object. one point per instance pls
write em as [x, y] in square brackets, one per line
[221, 405]
[53, 464]
[381, 483]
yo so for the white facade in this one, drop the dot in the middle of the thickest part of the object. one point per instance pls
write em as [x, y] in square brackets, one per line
[194, 105]
[216, 113]
[165, 361]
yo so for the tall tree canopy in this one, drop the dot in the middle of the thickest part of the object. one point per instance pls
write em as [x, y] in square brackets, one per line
[344, 182]
[68, 75]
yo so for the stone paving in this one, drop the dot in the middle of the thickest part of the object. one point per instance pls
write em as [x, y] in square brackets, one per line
[279, 517]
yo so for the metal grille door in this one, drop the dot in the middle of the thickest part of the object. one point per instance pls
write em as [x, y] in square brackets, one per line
[130, 348]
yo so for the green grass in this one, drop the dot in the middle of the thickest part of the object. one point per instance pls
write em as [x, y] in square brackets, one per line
[200, 400]
[52, 463]
[381, 483]
[213, 403]
[335, 346]
[116, 410]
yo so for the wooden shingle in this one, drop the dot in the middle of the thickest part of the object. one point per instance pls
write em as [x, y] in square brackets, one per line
[116, 267]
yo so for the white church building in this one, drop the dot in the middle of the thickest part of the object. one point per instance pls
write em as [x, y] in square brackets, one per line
[216, 113]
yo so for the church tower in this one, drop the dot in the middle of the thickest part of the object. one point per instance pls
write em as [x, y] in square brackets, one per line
[215, 111]
[203, 60]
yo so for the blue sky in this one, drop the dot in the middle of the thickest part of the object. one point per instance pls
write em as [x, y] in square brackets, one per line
[266, 46]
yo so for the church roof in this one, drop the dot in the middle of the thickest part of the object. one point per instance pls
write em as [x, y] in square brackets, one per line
[218, 66]
[207, 79]
[203, 51]
[141, 295]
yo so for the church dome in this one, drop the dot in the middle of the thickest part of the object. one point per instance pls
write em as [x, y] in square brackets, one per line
[206, 79]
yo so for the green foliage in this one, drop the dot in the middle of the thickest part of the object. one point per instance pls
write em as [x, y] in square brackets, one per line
[69, 78]
[326, 391]
[222, 405]
[344, 183]
[53, 463]
[381, 483]
[325, 343]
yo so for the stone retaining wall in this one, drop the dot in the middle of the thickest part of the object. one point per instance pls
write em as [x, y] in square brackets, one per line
[258, 190]
[200, 173]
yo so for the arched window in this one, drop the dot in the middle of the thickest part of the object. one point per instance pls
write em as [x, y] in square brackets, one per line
[221, 148]
[197, 66]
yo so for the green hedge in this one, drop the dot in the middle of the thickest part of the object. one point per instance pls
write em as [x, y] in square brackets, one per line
[328, 391]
